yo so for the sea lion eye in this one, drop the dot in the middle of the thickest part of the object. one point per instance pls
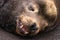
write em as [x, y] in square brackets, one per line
[31, 8]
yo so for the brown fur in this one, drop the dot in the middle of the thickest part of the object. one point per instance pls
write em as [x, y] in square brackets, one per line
[42, 12]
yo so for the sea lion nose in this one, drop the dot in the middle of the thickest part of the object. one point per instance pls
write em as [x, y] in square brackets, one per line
[33, 27]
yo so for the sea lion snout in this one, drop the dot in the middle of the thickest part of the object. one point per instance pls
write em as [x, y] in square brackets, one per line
[26, 25]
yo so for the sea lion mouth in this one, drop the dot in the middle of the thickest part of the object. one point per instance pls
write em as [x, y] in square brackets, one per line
[22, 29]
[25, 29]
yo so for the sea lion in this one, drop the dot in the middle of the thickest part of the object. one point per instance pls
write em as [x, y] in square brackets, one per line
[27, 17]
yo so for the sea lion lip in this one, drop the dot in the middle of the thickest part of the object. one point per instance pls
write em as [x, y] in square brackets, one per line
[21, 28]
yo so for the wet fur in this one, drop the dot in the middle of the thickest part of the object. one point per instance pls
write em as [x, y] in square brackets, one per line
[9, 11]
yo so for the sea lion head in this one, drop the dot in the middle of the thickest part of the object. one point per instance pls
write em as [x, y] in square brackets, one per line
[34, 16]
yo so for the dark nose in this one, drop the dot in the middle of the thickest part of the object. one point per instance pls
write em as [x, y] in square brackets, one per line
[33, 27]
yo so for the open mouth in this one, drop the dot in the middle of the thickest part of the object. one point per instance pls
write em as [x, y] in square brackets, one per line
[24, 29]
[21, 27]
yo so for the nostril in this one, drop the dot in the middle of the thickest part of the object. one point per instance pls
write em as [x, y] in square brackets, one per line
[33, 27]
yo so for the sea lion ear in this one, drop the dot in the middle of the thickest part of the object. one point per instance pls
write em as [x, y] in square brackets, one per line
[1, 3]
